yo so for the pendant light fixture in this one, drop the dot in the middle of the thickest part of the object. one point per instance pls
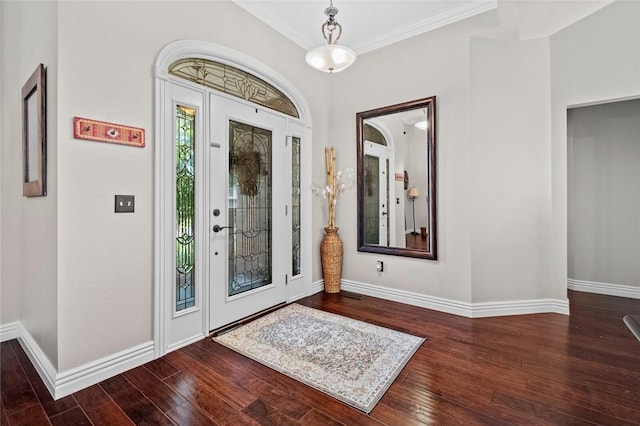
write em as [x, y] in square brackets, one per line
[331, 57]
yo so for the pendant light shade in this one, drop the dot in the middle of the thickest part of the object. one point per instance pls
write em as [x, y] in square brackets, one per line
[331, 57]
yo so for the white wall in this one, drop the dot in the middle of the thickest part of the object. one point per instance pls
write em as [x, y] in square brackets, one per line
[536, 19]
[29, 225]
[82, 276]
[436, 63]
[604, 201]
[510, 181]
[105, 279]
[502, 145]
[493, 128]
[594, 60]
[10, 316]
[10, 167]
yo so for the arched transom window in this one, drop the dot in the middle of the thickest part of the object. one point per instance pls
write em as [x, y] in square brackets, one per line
[233, 81]
[374, 135]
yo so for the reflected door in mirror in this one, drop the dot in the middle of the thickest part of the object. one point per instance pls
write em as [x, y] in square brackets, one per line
[377, 195]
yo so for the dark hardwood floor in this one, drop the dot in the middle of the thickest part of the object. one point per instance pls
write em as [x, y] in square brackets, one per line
[415, 241]
[530, 369]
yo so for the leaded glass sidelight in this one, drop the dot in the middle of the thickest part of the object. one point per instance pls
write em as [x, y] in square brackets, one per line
[372, 199]
[250, 203]
[185, 207]
[295, 207]
[233, 81]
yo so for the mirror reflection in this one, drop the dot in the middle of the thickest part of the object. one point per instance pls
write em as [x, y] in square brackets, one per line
[396, 179]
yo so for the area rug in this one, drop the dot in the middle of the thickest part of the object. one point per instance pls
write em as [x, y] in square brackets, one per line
[350, 360]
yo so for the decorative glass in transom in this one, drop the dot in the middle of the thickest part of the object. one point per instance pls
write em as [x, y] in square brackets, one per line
[374, 135]
[233, 81]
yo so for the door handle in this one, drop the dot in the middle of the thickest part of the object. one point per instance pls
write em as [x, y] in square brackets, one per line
[218, 228]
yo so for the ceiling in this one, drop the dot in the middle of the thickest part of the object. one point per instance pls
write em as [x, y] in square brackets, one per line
[366, 24]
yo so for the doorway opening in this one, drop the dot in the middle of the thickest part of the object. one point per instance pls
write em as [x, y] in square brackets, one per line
[603, 198]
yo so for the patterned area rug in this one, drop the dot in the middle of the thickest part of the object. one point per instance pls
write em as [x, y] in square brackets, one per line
[350, 360]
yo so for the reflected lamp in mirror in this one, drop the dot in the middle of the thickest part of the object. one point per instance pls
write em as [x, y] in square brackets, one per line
[413, 194]
[395, 140]
[422, 125]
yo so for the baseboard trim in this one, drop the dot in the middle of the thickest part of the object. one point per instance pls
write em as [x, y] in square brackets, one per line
[520, 307]
[316, 287]
[73, 380]
[186, 342]
[469, 310]
[70, 381]
[410, 298]
[40, 361]
[8, 331]
[608, 289]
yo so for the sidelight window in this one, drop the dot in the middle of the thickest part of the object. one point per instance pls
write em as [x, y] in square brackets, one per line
[185, 207]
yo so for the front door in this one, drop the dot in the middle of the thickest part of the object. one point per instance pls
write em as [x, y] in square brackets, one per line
[248, 189]
[377, 194]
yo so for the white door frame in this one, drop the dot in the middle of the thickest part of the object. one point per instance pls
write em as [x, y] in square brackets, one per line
[390, 153]
[164, 152]
[386, 193]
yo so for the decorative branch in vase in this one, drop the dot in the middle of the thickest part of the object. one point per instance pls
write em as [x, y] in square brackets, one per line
[337, 183]
[331, 249]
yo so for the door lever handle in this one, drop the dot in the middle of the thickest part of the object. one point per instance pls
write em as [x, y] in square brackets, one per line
[218, 228]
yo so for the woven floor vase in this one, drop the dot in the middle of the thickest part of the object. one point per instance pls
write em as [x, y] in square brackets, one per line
[331, 254]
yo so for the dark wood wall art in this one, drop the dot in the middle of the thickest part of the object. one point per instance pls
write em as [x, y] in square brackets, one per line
[34, 134]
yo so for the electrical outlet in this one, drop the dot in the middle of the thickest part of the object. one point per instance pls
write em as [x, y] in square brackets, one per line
[379, 266]
[125, 203]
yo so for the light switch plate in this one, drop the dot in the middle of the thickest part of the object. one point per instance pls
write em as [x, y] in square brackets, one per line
[125, 203]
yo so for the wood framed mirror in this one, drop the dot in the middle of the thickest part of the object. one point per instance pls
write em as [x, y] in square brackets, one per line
[34, 134]
[396, 155]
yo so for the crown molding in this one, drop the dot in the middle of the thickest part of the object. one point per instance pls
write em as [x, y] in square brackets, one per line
[428, 24]
[284, 27]
[275, 21]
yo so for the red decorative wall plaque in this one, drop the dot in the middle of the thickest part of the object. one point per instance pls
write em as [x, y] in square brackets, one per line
[102, 131]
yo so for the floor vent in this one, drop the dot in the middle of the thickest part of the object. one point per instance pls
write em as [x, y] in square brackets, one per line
[351, 295]
[226, 330]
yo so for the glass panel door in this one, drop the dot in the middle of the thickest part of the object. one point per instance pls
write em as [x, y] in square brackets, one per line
[249, 194]
[377, 195]
[372, 199]
[250, 206]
